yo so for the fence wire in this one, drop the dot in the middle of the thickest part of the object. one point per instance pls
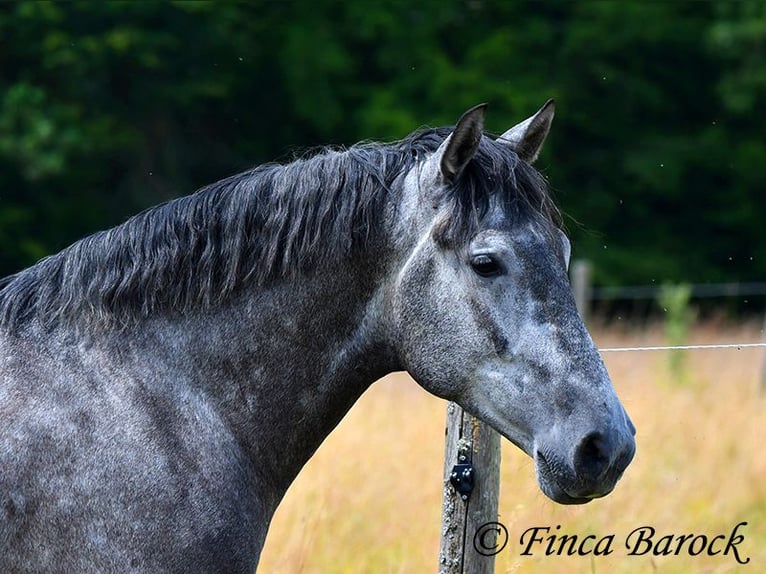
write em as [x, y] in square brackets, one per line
[683, 347]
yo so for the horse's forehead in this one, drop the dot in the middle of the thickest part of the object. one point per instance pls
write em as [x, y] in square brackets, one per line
[532, 237]
[542, 263]
[536, 240]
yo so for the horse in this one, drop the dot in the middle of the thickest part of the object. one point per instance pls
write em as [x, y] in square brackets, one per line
[163, 382]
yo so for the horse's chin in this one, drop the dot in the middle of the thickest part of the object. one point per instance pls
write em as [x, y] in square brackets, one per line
[562, 497]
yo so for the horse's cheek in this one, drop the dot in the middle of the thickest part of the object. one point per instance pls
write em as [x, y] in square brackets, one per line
[432, 344]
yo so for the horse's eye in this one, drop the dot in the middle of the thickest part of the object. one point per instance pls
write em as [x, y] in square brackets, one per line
[485, 265]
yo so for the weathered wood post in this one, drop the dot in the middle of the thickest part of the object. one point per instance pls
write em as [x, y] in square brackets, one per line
[581, 287]
[469, 442]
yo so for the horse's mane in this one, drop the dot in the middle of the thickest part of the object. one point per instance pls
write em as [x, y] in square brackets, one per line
[272, 221]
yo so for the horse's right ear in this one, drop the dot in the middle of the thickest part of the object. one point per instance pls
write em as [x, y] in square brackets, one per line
[460, 146]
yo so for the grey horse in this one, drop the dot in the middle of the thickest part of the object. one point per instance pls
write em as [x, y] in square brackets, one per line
[163, 382]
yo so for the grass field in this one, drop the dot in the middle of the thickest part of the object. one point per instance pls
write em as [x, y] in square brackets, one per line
[370, 499]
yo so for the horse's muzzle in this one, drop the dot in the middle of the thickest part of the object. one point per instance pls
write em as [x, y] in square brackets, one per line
[597, 463]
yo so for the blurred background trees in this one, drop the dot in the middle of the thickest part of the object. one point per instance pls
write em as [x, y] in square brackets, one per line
[657, 157]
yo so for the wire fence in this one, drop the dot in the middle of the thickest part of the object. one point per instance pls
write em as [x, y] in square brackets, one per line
[697, 291]
[585, 294]
[737, 346]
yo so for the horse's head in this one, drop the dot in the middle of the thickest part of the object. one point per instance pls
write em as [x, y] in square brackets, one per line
[484, 315]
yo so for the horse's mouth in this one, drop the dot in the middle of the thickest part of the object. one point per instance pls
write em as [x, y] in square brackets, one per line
[552, 488]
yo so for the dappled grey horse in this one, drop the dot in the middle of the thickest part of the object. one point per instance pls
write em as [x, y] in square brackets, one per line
[162, 383]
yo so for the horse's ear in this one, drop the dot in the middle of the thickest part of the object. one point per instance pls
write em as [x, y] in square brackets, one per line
[527, 137]
[461, 145]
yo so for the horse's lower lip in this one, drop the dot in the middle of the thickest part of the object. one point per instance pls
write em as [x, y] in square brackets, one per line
[554, 490]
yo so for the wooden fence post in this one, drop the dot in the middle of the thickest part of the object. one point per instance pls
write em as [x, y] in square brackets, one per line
[469, 441]
[581, 287]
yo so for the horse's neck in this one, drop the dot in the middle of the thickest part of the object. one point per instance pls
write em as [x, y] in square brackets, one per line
[283, 364]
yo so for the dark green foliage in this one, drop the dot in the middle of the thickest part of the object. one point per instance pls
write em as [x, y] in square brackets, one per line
[657, 155]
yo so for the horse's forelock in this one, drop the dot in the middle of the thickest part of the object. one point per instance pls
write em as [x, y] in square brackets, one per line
[495, 175]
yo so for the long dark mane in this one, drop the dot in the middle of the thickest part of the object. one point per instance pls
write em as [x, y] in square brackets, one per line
[252, 227]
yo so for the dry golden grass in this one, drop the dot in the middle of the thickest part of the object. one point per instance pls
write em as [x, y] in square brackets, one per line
[370, 499]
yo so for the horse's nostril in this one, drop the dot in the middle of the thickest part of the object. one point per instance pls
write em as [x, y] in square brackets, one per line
[592, 456]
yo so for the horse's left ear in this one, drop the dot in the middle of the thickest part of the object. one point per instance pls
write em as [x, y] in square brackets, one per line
[527, 137]
[461, 145]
